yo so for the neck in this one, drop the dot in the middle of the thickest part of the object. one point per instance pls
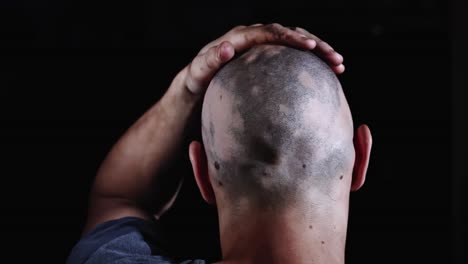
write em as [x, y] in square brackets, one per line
[287, 237]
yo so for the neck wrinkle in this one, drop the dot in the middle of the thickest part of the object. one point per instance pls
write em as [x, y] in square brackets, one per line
[286, 237]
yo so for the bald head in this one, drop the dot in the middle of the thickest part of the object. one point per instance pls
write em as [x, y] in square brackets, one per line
[276, 128]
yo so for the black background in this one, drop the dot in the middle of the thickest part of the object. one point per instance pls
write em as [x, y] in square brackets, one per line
[76, 74]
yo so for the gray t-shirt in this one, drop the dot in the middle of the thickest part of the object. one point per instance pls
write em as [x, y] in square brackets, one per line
[126, 240]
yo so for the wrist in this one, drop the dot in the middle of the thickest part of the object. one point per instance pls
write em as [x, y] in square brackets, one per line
[178, 100]
[180, 90]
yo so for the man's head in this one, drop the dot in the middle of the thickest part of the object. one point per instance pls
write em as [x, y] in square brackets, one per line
[278, 133]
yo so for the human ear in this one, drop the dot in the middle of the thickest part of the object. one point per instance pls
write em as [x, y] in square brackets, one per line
[362, 146]
[199, 162]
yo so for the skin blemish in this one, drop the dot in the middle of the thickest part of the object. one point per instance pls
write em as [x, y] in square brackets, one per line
[220, 183]
[303, 166]
[341, 177]
[310, 226]
[216, 164]
[220, 97]
[323, 242]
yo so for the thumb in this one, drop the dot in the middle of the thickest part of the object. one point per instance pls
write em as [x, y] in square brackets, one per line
[205, 65]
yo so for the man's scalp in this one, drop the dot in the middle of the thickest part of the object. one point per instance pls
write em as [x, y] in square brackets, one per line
[281, 143]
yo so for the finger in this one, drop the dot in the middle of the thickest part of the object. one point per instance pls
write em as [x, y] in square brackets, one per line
[323, 48]
[339, 69]
[262, 34]
[327, 53]
[238, 28]
[224, 37]
[218, 41]
[273, 34]
[307, 33]
[302, 34]
[204, 66]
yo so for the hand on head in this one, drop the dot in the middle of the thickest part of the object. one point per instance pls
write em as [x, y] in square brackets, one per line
[276, 126]
[214, 55]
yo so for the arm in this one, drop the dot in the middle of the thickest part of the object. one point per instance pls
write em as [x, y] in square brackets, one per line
[130, 180]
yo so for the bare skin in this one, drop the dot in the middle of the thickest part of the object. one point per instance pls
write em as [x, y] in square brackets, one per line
[130, 180]
[312, 231]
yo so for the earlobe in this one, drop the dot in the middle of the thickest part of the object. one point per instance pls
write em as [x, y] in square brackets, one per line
[362, 146]
[198, 159]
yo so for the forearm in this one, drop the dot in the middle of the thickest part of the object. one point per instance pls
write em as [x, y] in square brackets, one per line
[133, 179]
[134, 166]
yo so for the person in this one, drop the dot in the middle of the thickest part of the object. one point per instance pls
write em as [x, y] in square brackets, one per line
[278, 156]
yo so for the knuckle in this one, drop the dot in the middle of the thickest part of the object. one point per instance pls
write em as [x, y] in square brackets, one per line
[273, 27]
[190, 67]
[211, 60]
[237, 28]
[191, 73]
[277, 31]
[247, 38]
[285, 34]
[277, 26]
[299, 29]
